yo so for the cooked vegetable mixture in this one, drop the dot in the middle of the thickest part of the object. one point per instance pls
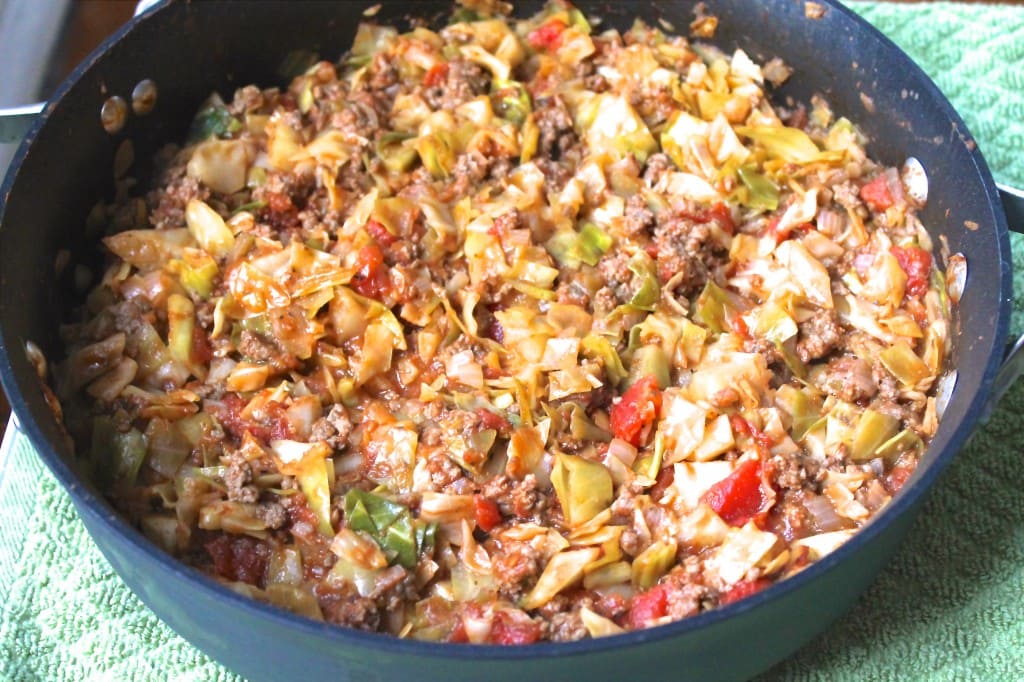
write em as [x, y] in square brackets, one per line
[518, 330]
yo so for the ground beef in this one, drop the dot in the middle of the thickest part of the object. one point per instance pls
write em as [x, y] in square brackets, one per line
[273, 514]
[262, 349]
[639, 218]
[788, 518]
[684, 250]
[614, 267]
[237, 477]
[656, 166]
[464, 81]
[557, 134]
[168, 205]
[508, 221]
[334, 428]
[566, 627]
[683, 594]
[604, 301]
[283, 194]
[792, 472]
[819, 335]
[346, 607]
[470, 169]
[847, 195]
[572, 293]
[850, 378]
[907, 414]
[519, 499]
[445, 475]
[556, 174]
[383, 73]
[513, 563]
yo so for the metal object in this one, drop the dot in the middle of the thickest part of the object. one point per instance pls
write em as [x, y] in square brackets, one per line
[1013, 205]
[16, 121]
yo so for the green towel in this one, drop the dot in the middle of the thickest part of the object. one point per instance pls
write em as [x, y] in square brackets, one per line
[950, 606]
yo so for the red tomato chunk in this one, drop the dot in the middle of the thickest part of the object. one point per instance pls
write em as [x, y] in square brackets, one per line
[547, 36]
[740, 496]
[510, 632]
[876, 194]
[486, 513]
[744, 589]
[436, 75]
[380, 233]
[371, 278]
[646, 607]
[632, 416]
[239, 557]
[917, 263]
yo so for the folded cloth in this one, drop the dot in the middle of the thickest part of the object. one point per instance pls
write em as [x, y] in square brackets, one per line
[948, 607]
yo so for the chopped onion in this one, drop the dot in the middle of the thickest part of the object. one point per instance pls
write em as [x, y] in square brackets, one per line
[622, 451]
[822, 513]
[461, 367]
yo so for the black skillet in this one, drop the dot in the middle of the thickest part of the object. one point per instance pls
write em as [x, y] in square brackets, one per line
[190, 49]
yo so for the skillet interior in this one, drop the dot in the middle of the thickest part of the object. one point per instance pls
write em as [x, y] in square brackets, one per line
[191, 49]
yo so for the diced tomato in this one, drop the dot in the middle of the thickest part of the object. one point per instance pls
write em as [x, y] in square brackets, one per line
[739, 425]
[509, 631]
[665, 478]
[742, 495]
[279, 202]
[917, 263]
[762, 439]
[239, 557]
[647, 606]
[918, 310]
[742, 427]
[486, 513]
[371, 278]
[491, 420]
[547, 36]
[738, 325]
[633, 415]
[273, 424]
[280, 211]
[785, 233]
[436, 75]
[876, 194]
[744, 589]
[896, 479]
[720, 214]
[380, 233]
[459, 635]
[202, 352]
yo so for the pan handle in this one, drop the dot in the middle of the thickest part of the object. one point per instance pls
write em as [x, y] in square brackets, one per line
[1013, 204]
[15, 121]
[1013, 365]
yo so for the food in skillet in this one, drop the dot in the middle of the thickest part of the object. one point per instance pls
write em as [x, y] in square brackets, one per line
[514, 331]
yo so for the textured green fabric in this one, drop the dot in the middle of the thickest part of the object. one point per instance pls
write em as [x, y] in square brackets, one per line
[950, 606]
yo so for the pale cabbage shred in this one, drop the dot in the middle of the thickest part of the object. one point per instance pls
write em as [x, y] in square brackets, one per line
[728, 147]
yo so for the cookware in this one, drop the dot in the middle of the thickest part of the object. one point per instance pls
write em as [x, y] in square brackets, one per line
[191, 49]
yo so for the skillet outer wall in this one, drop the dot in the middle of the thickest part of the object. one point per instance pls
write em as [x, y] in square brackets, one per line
[64, 166]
